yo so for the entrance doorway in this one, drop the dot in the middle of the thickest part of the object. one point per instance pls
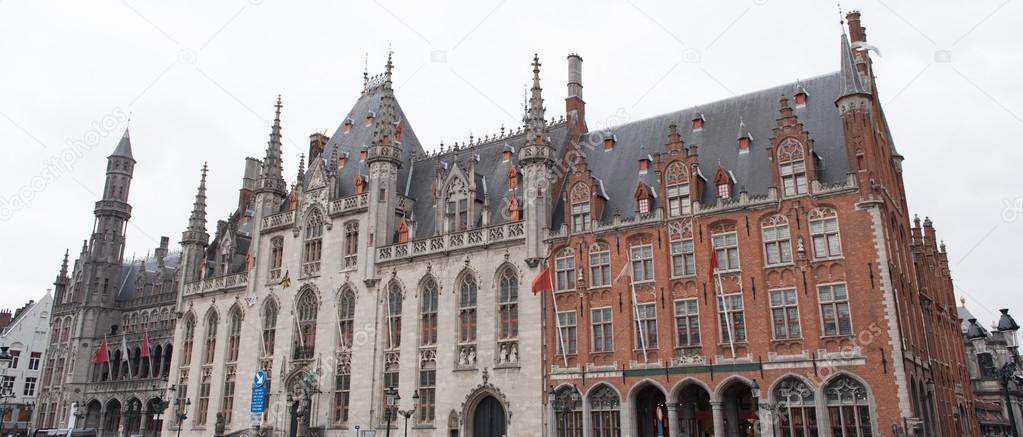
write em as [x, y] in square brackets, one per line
[695, 416]
[488, 419]
[651, 418]
[739, 412]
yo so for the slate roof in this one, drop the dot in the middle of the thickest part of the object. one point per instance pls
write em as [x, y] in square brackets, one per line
[124, 146]
[131, 269]
[618, 168]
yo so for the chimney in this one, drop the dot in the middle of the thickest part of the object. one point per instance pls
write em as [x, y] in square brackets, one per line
[856, 31]
[249, 178]
[575, 107]
[317, 142]
[161, 252]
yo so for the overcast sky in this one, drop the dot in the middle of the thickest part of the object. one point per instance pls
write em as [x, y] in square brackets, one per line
[200, 79]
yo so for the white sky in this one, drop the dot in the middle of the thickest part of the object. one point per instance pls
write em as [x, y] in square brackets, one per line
[200, 79]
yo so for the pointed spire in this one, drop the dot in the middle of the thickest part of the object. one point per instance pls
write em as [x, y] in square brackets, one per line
[123, 148]
[384, 123]
[196, 231]
[63, 266]
[300, 179]
[536, 125]
[272, 179]
[850, 77]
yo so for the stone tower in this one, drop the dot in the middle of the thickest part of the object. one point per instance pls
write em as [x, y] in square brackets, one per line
[384, 160]
[106, 245]
[537, 159]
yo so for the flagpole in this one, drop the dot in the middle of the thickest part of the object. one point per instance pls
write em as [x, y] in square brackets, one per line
[728, 316]
[557, 324]
[635, 311]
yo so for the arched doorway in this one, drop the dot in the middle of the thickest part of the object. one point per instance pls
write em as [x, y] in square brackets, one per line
[488, 419]
[112, 421]
[93, 413]
[650, 421]
[133, 417]
[740, 415]
[153, 425]
[695, 416]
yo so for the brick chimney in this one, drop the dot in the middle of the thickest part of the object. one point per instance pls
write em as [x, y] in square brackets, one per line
[161, 252]
[856, 31]
[575, 107]
[317, 143]
[5, 318]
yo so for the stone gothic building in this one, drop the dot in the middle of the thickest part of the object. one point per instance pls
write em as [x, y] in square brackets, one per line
[384, 270]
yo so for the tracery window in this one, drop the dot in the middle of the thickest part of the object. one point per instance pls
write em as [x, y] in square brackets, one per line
[580, 202]
[394, 301]
[346, 319]
[187, 342]
[792, 168]
[428, 306]
[777, 241]
[234, 336]
[799, 417]
[568, 418]
[677, 189]
[848, 408]
[313, 244]
[269, 328]
[508, 306]
[304, 343]
[824, 233]
[467, 309]
[210, 345]
[605, 412]
[351, 252]
[276, 257]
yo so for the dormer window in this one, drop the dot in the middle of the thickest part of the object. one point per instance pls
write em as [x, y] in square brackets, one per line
[698, 122]
[644, 165]
[609, 142]
[348, 126]
[744, 144]
[342, 160]
[745, 137]
[458, 214]
[792, 168]
[724, 191]
[506, 155]
[580, 201]
[723, 182]
[644, 206]
[644, 199]
[677, 183]
[369, 118]
[801, 99]
[362, 155]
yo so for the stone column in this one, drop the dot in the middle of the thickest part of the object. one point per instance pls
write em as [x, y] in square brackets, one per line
[673, 425]
[719, 419]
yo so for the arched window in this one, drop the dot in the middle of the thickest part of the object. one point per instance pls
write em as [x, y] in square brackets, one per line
[799, 417]
[269, 327]
[428, 314]
[677, 189]
[351, 253]
[605, 414]
[508, 305]
[467, 310]
[848, 407]
[456, 211]
[346, 319]
[210, 345]
[188, 341]
[568, 412]
[276, 257]
[580, 201]
[304, 344]
[394, 300]
[792, 168]
[313, 245]
[564, 270]
[824, 233]
[234, 335]
[777, 240]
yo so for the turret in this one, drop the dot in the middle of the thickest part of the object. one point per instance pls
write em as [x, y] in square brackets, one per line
[536, 156]
[195, 239]
[113, 211]
[383, 159]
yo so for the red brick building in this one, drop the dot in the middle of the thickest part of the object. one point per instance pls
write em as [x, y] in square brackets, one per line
[831, 308]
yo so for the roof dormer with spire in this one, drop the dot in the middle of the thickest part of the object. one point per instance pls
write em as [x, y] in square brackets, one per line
[385, 145]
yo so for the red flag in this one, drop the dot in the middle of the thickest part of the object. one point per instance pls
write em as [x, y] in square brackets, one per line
[713, 260]
[102, 355]
[145, 344]
[542, 282]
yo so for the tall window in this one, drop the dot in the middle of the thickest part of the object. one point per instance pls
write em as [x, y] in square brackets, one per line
[777, 242]
[204, 396]
[428, 306]
[678, 200]
[732, 317]
[568, 420]
[269, 328]
[687, 323]
[799, 417]
[508, 307]
[15, 358]
[342, 391]
[227, 402]
[564, 270]
[351, 252]
[467, 310]
[824, 233]
[313, 245]
[835, 315]
[600, 266]
[726, 248]
[189, 338]
[346, 319]
[683, 259]
[642, 258]
[580, 202]
[457, 209]
[567, 330]
[427, 407]
[848, 408]
[785, 314]
[276, 257]
[210, 346]
[308, 308]
[792, 168]
[605, 414]
[234, 336]
[603, 331]
[394, 301]
[646, 328]
[30, 387]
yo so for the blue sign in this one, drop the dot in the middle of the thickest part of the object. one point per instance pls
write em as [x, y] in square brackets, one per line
[258, 404]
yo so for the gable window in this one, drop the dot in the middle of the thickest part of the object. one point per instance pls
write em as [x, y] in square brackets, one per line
[346, 319]
[642, 258]
[724, 190]
[824, 233]
[305, 339]
[580, 201]
[644, 206]
[732, 317]
[467, 310]
[683, 258]
[508, 307]
[564, 270]
[678, 200]
[394, 301]
[313, 245]
[726, 249]
[428, 315]
[646, 326]
[785, 314]
[792, 168]
[567, 330]
[777, 242]
[458, 214]
[687, 323]
[600, 266]
[351, 252]
[603, 331]
[835, 315]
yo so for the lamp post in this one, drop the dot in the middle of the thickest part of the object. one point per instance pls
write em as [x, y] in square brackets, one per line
[1008, 328]
[391, 398]
[408, 413]
[762, 406]
[181, 411]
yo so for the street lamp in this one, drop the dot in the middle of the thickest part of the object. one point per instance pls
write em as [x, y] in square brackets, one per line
[391, 398]
[408, 413]
[762, 405]
[181, 411]
[1008, 328]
